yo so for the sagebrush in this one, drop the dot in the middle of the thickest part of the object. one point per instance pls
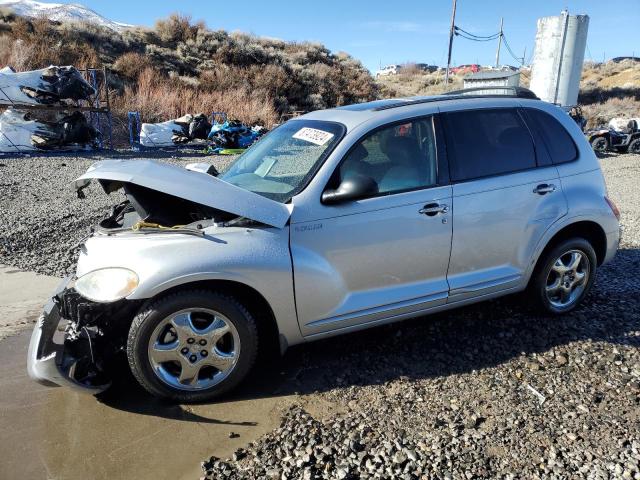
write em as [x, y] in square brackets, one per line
[181, 66]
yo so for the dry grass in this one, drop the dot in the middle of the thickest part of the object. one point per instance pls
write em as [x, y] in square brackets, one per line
[413, 82]
[600, 113]
[159, 98]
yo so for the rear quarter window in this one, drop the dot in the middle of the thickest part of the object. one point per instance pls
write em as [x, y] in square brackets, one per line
[482, 143]
[558, 141]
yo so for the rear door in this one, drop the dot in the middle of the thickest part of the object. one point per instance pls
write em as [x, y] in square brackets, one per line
[506, 194]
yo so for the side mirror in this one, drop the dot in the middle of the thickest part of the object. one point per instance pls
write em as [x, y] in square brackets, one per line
[352, 188]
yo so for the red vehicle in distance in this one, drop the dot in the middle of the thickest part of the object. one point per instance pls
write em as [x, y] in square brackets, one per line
[472, 68]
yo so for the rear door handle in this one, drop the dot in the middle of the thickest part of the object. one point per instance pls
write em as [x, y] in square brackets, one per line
[432, 209]
[544, 188]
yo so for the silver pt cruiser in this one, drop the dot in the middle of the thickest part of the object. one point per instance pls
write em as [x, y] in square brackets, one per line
[336, 221]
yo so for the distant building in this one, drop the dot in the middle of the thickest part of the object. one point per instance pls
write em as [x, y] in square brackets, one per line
[495, 78]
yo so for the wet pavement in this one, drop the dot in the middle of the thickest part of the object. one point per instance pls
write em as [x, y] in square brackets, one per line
[124, 433]
[21, 298]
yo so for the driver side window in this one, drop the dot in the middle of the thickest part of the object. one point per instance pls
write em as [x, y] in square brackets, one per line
[398, 158]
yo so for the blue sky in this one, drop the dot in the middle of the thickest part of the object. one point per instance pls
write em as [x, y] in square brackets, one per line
[387, 31]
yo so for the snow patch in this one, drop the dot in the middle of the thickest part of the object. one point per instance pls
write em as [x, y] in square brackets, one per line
[60, 12]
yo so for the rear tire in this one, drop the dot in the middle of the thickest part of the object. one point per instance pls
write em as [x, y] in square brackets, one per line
[634, 146]
[192, 346]
[563, 276]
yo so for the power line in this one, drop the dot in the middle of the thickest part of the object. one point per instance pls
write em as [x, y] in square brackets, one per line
[476, 39]
[473, 36]
[508, 47]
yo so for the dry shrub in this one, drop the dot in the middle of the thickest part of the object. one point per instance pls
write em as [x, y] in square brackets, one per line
[6, 47]
[39, 43]
[131, 64]
[158, 98]
[422, 83]
[409, 69]
[178, 28]
[21, 56]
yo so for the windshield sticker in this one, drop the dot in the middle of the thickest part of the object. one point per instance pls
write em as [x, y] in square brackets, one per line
[313, 135]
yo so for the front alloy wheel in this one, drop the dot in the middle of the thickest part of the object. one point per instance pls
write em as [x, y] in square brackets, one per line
[192, 345]
[194, 349]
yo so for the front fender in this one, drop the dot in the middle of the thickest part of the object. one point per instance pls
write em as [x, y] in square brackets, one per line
[256, 257]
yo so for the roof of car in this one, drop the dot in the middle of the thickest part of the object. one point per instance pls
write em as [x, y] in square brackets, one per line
[353, 115]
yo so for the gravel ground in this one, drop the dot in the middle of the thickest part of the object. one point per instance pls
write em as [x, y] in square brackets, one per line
[486, 391]
[43, 219]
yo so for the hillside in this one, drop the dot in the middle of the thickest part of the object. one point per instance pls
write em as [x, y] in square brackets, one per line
[607, 89]
[60, 12]
[181, 66]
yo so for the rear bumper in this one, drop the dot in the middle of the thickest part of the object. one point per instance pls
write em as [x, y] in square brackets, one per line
[613, 242]
[47, 361]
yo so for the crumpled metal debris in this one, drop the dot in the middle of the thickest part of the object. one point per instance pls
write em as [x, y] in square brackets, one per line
[51, 85]
[20, 133]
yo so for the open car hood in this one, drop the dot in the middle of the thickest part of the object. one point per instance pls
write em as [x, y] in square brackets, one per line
[190, 185]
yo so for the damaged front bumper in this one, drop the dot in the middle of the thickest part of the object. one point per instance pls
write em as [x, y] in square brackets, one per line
[47, 361]
[76, 358]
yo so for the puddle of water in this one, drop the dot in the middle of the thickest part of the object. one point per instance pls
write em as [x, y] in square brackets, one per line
[58, 433]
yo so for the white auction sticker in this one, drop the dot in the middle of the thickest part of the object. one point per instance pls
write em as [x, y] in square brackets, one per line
[313, 135]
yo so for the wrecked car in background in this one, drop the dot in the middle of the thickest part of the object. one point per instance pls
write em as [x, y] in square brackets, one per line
[51, 85]
[335, 221]
[20, 133]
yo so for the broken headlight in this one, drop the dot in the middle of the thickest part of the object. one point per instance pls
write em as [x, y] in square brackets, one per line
[107, 284]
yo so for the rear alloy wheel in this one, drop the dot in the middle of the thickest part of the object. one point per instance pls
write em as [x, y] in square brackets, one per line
[600, 144]
[192, 345]
[564, 277]
[634, 146]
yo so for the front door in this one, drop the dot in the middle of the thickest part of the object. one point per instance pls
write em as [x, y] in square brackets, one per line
[385, 256]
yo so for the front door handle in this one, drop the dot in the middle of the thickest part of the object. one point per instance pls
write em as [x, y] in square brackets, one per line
[432, 209]
[544, 188]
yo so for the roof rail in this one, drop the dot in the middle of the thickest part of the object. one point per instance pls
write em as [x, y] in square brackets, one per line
[519, 92]
[510, 92]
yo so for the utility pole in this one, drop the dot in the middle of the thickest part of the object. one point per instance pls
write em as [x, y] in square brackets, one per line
[499, 43]
[451, 32]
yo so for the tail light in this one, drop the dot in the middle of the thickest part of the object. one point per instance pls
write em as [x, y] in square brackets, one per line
[613, 207]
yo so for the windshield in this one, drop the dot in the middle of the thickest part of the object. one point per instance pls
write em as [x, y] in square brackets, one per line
[280, 165]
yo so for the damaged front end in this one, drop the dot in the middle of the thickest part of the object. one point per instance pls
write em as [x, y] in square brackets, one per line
[76, 339]
[85, 324]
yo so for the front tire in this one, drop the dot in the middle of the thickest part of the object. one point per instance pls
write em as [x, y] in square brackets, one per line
[634, 146]
[600, 144]
[192, 346]
[563, 277]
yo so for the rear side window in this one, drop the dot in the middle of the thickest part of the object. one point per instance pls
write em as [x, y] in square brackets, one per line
[482, 143]
[556, 138]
